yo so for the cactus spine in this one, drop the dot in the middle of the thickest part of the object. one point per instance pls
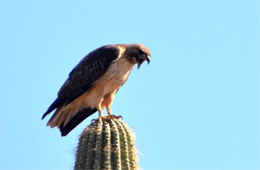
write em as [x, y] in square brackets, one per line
[106, 144]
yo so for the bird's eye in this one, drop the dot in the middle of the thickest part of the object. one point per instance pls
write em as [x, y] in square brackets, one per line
[140, 52]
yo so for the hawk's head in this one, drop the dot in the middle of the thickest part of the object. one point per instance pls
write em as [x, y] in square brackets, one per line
[138, 53]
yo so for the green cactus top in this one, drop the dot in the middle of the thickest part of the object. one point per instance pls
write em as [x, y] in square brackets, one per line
[106, 144]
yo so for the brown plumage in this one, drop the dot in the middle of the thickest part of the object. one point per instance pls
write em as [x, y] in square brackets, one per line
[92, 84]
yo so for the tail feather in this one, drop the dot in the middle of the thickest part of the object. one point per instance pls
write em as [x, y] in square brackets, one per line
[56, 104]
[68, 115]
[56, 117]
[75, 120]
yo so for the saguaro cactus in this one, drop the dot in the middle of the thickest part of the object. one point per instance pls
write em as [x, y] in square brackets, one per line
[106, 144]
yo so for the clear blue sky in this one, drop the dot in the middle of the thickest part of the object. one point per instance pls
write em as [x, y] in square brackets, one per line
[195, 106]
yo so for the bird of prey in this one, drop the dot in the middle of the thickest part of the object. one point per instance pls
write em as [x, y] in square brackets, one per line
[93, 83]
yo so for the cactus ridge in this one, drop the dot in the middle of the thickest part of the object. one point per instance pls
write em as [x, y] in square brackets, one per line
[106, 144]
[132, 151]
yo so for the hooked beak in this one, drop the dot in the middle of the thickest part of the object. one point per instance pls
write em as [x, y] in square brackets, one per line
[142, 59]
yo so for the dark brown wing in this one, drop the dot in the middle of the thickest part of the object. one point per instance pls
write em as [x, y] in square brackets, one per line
[82, 77]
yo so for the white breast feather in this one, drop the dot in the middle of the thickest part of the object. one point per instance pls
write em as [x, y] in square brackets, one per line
[114, 77]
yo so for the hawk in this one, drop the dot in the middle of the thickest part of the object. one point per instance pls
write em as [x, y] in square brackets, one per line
[93, 83]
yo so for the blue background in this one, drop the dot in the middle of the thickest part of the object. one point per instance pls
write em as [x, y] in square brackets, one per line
[195, 106]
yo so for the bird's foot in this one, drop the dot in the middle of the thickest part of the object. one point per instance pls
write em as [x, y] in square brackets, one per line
[109, 117]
